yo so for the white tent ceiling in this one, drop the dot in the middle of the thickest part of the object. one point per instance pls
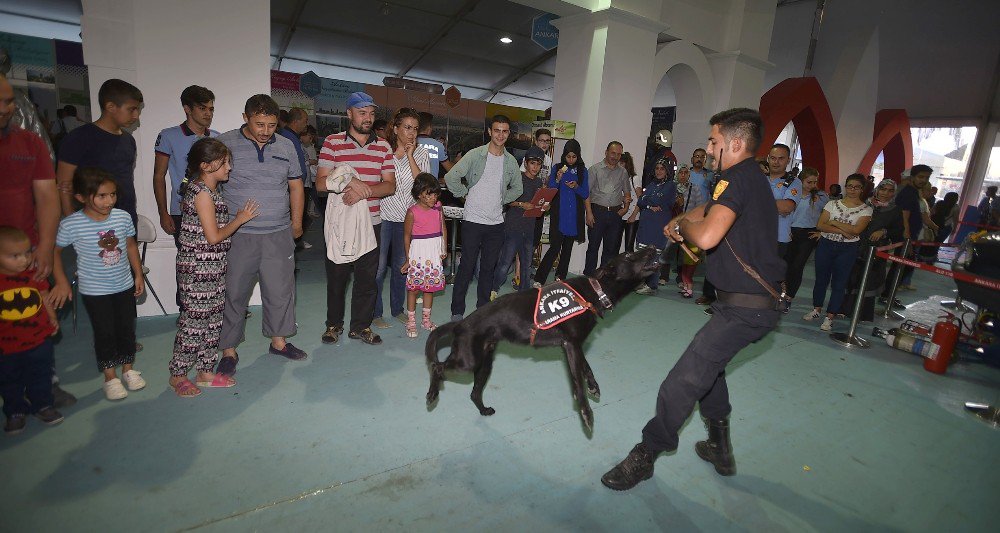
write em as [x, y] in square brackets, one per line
[450, 42]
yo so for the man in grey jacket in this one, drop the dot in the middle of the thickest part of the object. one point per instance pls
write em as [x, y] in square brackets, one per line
[494, 181]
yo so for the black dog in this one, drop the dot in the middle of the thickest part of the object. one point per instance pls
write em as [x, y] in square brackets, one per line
[511, 318]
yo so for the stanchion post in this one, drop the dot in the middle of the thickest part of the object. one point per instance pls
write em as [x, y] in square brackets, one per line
[957, 304]
[454, 246]
[850, 338]
[889, 311]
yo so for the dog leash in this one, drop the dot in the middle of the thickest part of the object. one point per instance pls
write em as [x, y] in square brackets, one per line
[753, 274]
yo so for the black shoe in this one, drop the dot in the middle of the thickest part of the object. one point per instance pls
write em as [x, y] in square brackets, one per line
[717, 449]
[635, 468]
[227, 365]
[289, 351]
[15, 424]
[49, 416]
[332, 334]
[366, 336]
[61, 398]
[708, 311]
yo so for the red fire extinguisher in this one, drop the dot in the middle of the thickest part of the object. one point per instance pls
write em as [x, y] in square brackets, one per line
[946, 336]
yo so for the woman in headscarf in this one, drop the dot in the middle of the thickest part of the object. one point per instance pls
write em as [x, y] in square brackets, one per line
[886, 227]
[567, 212]
[657, 202]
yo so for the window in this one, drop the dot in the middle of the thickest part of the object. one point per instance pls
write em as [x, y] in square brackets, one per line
[947, 151]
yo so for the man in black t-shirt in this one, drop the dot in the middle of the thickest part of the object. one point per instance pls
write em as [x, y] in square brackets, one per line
[738, 223]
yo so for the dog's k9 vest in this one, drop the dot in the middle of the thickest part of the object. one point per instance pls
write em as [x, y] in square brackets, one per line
[556, 303]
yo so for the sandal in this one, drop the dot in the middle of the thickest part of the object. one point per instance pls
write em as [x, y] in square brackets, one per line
[426, 323]
[227, 365]
[411, 325]
[220, 381]
[185, 389]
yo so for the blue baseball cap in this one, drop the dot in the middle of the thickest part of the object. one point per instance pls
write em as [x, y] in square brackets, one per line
[360, 99]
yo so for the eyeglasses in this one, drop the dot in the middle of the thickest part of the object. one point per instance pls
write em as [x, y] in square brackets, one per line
[853, 187]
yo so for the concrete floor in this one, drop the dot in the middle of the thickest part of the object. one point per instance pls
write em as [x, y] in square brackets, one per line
[826, 439]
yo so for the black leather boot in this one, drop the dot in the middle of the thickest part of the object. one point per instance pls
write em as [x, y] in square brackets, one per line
[636, 467]
[717, 449]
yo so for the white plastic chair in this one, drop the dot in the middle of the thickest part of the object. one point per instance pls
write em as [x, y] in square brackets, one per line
[145, 233]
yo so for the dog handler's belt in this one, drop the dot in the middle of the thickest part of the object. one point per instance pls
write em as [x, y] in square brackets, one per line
[743, 299]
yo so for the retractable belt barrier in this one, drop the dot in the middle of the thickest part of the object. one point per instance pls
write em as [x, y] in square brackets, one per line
[989, 283]
[983, 226]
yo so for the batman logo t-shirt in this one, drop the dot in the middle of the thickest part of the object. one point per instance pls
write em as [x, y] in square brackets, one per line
[24, 323]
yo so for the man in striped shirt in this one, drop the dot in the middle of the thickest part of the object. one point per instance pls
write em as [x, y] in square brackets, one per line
[371, 158]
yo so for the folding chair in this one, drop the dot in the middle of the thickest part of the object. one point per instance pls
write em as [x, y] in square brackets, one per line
[145, 233]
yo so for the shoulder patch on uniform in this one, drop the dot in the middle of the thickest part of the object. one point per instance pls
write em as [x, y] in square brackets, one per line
[719, 189]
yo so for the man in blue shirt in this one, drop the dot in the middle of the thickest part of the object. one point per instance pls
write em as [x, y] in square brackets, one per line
[701, 178]
[437, 153]
[298, 120]
[786, 189]
[171, 149]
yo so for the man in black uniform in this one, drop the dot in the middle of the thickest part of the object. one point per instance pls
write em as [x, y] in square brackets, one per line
[738, 223]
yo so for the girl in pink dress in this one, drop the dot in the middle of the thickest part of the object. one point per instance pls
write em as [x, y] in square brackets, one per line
[424, 238]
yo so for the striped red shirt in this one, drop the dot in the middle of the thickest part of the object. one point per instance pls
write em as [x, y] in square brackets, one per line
[369, 160]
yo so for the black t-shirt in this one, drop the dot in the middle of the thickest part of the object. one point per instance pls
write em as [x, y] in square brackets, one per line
[746, 191]
[908, 199]
[514, 219]
[90, 146]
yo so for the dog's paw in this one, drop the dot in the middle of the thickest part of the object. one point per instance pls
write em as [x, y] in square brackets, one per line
[588, 418]
[487, 411]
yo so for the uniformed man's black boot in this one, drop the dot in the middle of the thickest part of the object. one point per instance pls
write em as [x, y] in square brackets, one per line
[637, 467]
[717, 449]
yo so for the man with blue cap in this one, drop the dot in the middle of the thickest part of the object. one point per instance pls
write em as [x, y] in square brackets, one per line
[371, 159]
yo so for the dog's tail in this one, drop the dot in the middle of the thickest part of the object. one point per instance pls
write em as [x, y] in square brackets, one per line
[436, 367]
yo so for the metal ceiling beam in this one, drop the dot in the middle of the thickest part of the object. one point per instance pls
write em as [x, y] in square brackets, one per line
[367, 37]
[520, 74]
[465, 10]
[387, 73]
[481, 25]
[286, 39]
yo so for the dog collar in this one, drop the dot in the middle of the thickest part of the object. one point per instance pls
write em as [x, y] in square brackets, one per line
[601, 296]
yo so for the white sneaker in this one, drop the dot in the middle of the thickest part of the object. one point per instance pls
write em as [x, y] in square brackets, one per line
[493, 295]
[645, 290]
[133, 379]
[811, 315]
[114, 390]
[827, 324]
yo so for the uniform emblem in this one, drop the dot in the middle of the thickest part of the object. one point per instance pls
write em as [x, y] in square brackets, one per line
[795, 192]
[719, 189]
[158, 139]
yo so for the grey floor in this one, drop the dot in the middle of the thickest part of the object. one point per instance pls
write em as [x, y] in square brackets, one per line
[826, 439]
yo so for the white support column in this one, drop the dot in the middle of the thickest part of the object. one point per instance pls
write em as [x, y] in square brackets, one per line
[163, 47]
[603, 83]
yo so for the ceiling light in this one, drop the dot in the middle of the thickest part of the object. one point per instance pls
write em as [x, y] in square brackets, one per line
[506, 40]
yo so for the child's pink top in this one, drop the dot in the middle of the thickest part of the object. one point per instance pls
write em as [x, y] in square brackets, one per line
[426, 222]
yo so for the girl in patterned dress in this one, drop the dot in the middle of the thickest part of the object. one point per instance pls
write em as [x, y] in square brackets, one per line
[201, 267]
[424, 238]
